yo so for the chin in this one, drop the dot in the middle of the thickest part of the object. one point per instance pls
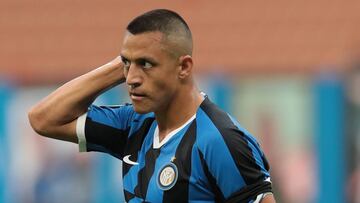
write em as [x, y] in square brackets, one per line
[141, 110]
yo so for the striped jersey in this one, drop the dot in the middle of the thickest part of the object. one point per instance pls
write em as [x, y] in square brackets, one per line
[211, 158]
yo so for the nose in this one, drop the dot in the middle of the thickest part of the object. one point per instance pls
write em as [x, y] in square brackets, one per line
[133, 76]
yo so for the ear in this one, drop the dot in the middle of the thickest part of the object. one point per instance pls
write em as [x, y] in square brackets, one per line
[185, 65]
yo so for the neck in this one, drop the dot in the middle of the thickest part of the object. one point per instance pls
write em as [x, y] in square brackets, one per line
[182, 107]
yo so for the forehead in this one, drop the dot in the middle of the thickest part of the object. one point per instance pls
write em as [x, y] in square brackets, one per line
[144, 44]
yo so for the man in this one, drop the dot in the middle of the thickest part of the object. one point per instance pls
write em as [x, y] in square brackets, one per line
[176, 145]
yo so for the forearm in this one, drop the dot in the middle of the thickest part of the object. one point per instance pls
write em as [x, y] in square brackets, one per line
[72, 99]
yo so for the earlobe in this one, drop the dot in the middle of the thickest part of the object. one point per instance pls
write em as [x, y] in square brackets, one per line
[185, 65]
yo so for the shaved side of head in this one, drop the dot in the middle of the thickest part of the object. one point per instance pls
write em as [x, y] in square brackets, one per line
[177, 38]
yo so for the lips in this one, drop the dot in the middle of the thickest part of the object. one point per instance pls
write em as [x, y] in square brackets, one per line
[135, 96]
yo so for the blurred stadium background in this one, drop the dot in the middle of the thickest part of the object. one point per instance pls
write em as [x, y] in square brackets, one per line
[288, 70]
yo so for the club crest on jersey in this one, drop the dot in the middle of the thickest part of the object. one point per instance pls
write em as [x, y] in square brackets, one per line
[167, 176]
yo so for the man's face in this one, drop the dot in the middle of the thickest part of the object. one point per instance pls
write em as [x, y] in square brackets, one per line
[151, 72]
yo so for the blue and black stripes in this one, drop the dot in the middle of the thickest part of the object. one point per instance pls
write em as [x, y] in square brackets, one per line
[112, 141]
[180, 192]
[216, 160]
[118, 117]
[135, 142]
[245, 153]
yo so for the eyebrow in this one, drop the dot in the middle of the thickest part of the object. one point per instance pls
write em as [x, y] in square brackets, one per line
[140, 59]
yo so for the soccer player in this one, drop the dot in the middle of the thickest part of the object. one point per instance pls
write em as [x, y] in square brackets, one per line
[176, 145]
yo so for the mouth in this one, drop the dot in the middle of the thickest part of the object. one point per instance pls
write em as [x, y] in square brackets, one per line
[136, 96]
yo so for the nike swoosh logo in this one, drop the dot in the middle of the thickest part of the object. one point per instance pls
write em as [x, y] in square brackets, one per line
[128, 161]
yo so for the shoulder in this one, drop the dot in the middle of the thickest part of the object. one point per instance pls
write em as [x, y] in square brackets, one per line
[118, 110]
[217, 130]
[213, 123]
[119, 116]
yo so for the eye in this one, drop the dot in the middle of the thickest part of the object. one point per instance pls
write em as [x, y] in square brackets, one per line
[126, 63]
[147, 65]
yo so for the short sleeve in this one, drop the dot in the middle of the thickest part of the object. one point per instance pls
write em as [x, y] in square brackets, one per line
[237, 171]
[104, 129]
[231, 158]
[253, 166]
[237, 167]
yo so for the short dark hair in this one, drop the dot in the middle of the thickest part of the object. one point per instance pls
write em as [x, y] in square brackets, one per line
[165, 21]
[162, 20]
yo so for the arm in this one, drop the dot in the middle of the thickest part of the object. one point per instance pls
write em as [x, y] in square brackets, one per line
[268, 199]
[233, 161]
[55, 116]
